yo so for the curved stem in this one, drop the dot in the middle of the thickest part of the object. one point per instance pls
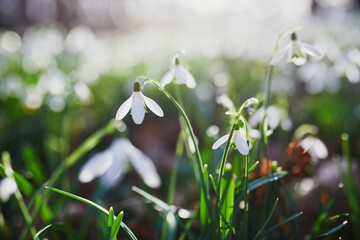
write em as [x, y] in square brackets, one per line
[192, 135]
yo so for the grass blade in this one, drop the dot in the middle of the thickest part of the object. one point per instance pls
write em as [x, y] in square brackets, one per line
[267, 220]
[152, 199]
[116, 226]
[332, 230]
[70, 232]
[227, 202]
[281, 223]
[100, 208]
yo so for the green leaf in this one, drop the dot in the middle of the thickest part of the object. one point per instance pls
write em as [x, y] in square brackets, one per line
[253, 166]
[321, 218]
[33, 164]
[164, 206]
[68, 230]
[332, 230]
[100, 208]
[204, 218]
[111, 217]
[24, 185]
[116, 226]
[281, 223]
[267, 220]
[227, 187]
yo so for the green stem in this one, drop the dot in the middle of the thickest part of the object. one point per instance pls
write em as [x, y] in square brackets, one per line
[10, 173]
[222, 167]
[192, 135]
[246, 198]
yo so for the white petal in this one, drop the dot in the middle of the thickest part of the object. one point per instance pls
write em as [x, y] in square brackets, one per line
[279, 55]
[167, 78]
[190, 81]
[231, 113]
[298, 61]
[7, 188]
[124, 108]
[137, 110]
[143, 165]
[352, 73]
[220, 141]
[309, 49]
[180, 74]
[118, 167]
[225, 101]
[95, 166]
[153, 106]
[241, 144]
[315, 147]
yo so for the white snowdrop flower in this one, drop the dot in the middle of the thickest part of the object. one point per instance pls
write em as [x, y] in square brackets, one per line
[180, 74]
[238, 140]
[7, 188]
[112, 164]
[138, 103]
[349, 65]
[315, 147]
[296, 52]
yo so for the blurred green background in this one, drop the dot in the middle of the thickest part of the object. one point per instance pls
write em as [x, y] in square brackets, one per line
[66, 66]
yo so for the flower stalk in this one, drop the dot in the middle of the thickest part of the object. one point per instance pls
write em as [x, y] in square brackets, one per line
[198, 161]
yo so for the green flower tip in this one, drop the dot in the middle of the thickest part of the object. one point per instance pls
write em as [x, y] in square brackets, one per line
[136, 86]
[293, 36]
[177, 61]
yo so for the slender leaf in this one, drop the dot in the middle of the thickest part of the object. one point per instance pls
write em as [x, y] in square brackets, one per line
[332, 230]
[100, 208]
[164, 206]
[267, 220]
[68, 230]
[227, 202]
[281, 223]
[116, 226]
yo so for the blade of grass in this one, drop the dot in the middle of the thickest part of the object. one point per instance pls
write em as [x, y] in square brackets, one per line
[100, 208]
[336, 217]
[325, 212]
[351, 189]
[296, 215]
[116, 226]
[227, 202]
[267, 220]
[204, 217]
[332, 230]
[164, 206]
[293, 208]
[10, 174]
[70, 232]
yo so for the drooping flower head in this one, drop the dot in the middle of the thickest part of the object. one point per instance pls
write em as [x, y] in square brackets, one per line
[238, 141]
[179, 74]
[296, 52]
[138, 104]
[111, 165]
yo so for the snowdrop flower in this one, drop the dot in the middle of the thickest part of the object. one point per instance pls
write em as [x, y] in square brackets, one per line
[275, 116]
[138, 102]
[7, 188]
[238, 141]
[315, 147]
[180, 74]
[111, 165]
[296, 52]
[349, 65]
